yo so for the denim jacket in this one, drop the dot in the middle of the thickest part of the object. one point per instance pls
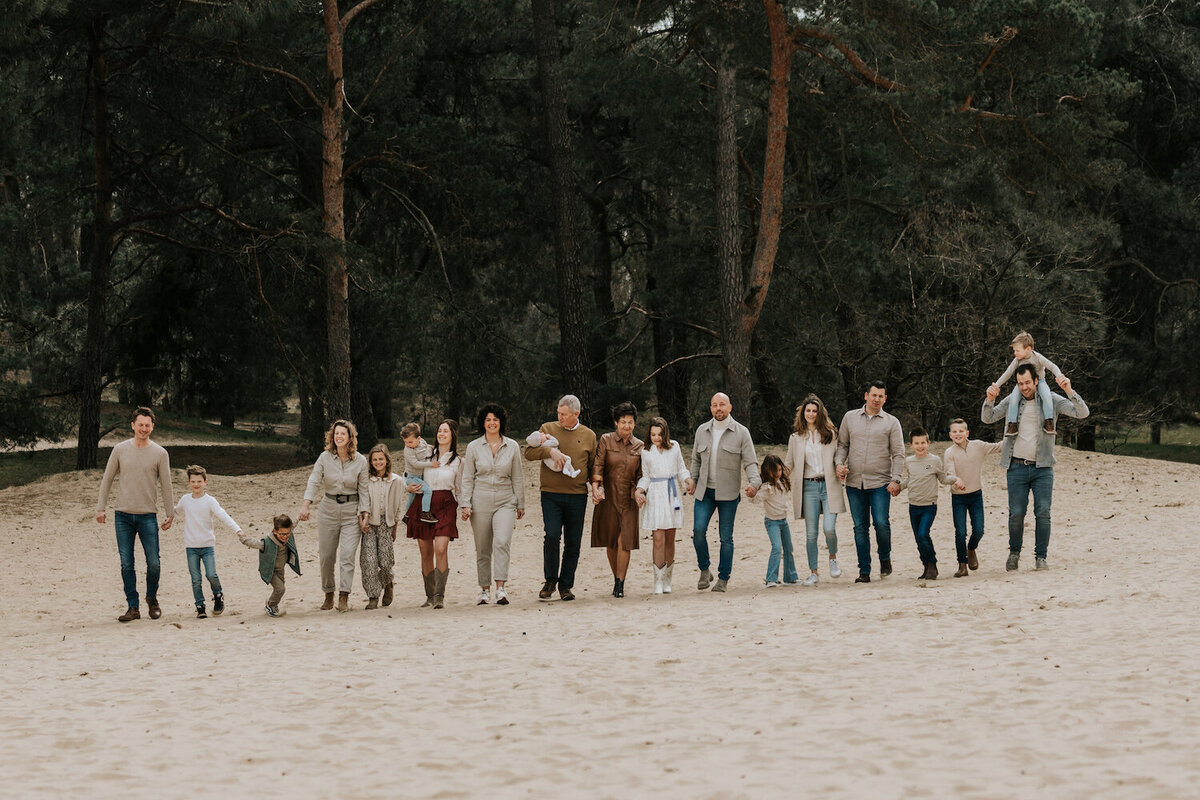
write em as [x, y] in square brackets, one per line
[995, 412]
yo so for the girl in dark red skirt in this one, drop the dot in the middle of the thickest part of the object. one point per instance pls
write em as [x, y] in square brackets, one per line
[434, 538]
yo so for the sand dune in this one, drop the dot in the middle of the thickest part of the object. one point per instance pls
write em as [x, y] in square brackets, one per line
[1076, 682]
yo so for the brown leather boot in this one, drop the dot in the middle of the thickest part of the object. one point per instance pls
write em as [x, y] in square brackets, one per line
[972, 559]
[429, 584]
[343, 601]
[372, 602]
[439, 587]
[931, 572]
[962, 571]
[328, 604]
[387, 594]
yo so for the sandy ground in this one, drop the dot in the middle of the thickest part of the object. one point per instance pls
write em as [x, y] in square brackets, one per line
[1081, 681]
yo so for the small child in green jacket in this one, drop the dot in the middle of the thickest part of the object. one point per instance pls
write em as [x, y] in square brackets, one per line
[274, 553]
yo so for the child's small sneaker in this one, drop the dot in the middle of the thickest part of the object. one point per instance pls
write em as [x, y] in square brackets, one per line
[272, 611]
[218, 604]
[812, 579]
[1048, 425]
[430, 518]
[771, 584]
[1011, 429]
[834, 570]
[201, 613]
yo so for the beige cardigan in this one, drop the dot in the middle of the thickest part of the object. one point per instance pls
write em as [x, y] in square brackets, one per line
[794, 461]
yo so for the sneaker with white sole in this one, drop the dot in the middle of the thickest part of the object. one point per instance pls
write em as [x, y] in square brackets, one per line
[834, 570]
[484, 598]
[811, 580]
[501, 596]
[770, 584]
[1039, 564]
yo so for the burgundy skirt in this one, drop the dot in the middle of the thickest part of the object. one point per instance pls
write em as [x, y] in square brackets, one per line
[443, 506]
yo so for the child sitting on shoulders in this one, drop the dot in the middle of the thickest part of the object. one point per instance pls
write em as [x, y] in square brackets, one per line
[1023, 353]
[539, 439]
[275, 551]
[773, 494]
[417, 458]
[199, 537]
[922, 474]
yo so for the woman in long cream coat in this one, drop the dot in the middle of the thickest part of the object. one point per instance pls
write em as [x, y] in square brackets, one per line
[810, 457]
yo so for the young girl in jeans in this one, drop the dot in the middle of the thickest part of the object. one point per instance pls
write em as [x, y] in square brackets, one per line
[773, 494]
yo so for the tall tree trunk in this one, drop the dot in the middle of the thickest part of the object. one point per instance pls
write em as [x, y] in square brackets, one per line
[333, 136]
[602, 275]
[734, 341]
[100, 256]
[572, 316]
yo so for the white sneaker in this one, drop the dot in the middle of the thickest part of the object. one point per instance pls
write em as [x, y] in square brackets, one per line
[834, 570]
[484, 597]
[811, 580]
[771, 584]
[501, 596]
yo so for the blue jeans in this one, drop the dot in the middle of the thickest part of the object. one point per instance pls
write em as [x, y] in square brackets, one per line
[426, 493]
[206, 554]
[1023, 479]
[816, 499]
[562, 518]
[960, 506]
[129, 528]
[1045, 401]
[921, 518]
[702, 512]
[867, 505]
[781, 543]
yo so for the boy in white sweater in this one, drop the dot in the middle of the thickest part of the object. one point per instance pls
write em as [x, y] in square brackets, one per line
[199, 511]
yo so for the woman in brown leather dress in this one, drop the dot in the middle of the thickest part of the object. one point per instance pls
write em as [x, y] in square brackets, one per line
[615, 474]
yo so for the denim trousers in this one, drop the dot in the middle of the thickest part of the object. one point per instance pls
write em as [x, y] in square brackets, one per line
[1024, 479]
[1044, 400]
[426, 493]
[702, 512]
[129, 528]
[562, 518]
[960, 506]
[207, 555]
[921, 518]
[816, 501]
[867, 506]
[781, 544]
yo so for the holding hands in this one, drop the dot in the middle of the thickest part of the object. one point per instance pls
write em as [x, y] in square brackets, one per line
[639, 497]
[894, 489]
[689, 486]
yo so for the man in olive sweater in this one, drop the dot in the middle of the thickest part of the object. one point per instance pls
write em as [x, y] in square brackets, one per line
[144, 469]
[564, 499]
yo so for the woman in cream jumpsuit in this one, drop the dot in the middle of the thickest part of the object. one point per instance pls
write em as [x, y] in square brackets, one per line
[493, 498]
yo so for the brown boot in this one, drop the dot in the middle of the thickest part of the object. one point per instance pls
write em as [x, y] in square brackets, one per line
[387, 594]
[972, 559]
[962, 571]
[343, 601]
[328, 604]
[1048, 425]
[130, 615]
[429, 584]
[931, 572]
[439, 587]
[372, 602]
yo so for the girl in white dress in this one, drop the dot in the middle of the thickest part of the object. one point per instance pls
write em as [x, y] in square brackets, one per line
[660, 493]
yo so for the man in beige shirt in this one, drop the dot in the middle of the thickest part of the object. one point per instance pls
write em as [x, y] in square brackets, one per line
[564, 498]
[870, 459]
[144, 469]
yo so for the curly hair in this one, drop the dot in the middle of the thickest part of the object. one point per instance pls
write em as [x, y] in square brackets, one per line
[352, 445]
[491, 408]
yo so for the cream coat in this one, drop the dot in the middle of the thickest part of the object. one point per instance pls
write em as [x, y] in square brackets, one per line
[794, 461]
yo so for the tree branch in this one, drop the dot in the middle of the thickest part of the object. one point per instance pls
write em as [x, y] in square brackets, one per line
[871, 75]
[285, 74]
[349, 16]
[675, 361]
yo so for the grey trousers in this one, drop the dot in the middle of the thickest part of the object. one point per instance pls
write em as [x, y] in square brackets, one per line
[493, 519]
[277, 585]
[376, 559]
[338, 536]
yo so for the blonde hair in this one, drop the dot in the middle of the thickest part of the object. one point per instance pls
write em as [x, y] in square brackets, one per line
[352, 445]
[1023, 339]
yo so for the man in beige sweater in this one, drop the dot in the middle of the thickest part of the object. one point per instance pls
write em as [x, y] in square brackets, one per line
[564, 498]
[144, 469]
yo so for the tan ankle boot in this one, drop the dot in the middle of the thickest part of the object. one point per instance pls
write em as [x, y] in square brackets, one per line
[343, 601]
[372, 602]
[328, 604]
[387, 594]
[962, 571]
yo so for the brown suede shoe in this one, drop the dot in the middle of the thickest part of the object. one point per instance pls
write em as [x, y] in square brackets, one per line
[387, 594]
[547, 590]
[155, 611]
[972, 560]
[372, 602]
[328, 604]
[130, 615]
[343, 601]
[962, 571]
[565, 593]
[931, 572]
